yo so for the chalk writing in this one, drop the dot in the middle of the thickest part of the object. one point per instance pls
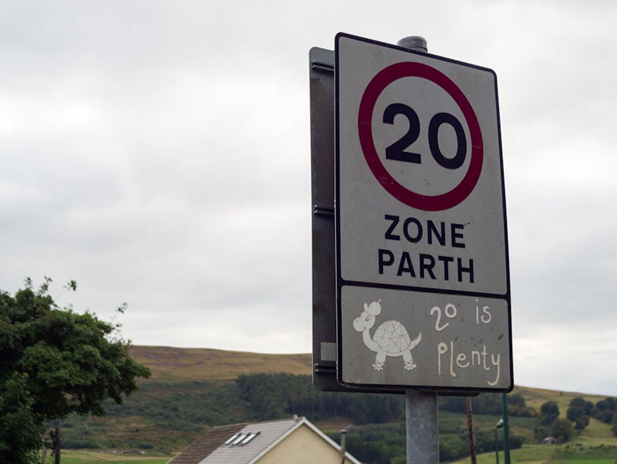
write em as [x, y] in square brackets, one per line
[451, 359]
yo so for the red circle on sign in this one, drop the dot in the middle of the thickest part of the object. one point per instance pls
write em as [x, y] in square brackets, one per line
[365, 115]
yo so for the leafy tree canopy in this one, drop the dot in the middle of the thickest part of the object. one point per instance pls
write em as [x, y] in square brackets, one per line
[562, 430]
[605, 410]
[581, 422]
[607, 403]
[54, 362]
[549, 411]
[579, 411]
[582, 403]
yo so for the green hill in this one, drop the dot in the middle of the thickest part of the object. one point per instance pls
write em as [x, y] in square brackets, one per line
[192, 390]
[536, 396]
[206, 364]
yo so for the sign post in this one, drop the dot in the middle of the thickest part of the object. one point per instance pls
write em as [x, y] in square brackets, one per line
[421, 269]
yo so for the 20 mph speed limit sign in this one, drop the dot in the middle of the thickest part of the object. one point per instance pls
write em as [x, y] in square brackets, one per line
[422, 260]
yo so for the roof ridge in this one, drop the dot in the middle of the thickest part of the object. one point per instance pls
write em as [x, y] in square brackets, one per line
[288, 419]
[222, 427]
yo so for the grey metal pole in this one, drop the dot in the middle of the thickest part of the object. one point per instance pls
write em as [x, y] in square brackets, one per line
[421, 407]
[422, 427]
[414, 42]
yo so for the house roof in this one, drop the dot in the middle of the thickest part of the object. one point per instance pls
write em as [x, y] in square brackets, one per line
[205, 445]
[245, 443]
[269, 432]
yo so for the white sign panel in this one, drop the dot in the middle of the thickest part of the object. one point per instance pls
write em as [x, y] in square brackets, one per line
[420, 201]
[437, 341]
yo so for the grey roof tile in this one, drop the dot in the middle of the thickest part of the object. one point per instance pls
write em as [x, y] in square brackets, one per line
[205, 445]
[269, 432]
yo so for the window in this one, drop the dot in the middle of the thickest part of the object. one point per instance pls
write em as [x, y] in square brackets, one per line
[248, 438]
[229, 440]
[241, 439]
[241, 436]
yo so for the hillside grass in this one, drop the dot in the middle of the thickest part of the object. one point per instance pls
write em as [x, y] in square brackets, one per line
[97, 457]
[528, 454]
[535, 397]
[207, 364]
[597, 433]
[551, 454]
[581, 450]
[522, 426]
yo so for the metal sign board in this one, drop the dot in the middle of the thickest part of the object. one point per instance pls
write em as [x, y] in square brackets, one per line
[421, 239]
[321, 72]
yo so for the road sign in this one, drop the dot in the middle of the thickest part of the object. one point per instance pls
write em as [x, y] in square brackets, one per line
[321, 68]
[421, 240]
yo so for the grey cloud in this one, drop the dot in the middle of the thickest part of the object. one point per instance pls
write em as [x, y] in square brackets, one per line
[158, 153]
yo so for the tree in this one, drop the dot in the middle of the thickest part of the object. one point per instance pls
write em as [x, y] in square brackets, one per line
[605, 416]
[562, 430]
[452, 447]
[579, 411]
[581, 422]
[54, 362]
[549, 411]
[605, 410]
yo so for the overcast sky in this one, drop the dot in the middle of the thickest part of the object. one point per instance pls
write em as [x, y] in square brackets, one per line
[157, 152]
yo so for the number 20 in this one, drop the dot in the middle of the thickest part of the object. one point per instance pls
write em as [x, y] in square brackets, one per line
[450, 312]
[397, 152]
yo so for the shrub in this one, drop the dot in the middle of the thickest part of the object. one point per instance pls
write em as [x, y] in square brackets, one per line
[562, 430]
[549, 412]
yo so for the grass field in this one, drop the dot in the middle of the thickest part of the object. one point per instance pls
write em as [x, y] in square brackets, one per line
[546, 454]
[535, 397]
[592, 461]
[95, 457]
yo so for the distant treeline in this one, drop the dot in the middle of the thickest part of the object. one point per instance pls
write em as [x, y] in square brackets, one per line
[167, 416]
[272, 396]
[385, 444]
[488, 403]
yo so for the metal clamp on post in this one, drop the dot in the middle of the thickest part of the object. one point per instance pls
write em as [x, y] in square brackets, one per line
[321, 211]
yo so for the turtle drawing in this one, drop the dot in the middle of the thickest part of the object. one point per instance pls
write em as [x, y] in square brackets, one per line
[390, 338]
